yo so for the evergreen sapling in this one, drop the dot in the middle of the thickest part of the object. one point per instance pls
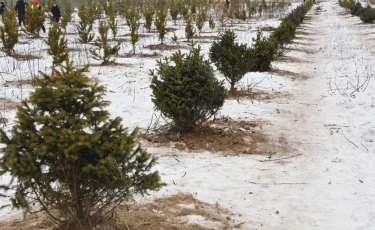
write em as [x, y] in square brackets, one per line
[68, 158]
[9, 32]
[186, 91]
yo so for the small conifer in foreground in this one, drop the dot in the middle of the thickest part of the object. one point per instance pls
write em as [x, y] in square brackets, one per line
[68, 158]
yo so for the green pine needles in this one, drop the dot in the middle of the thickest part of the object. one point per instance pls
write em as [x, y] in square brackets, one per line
[186, 91]
[85, 25]
[58, 46]
[68, 158]
[104, 51]
[230, 58]
[9, 32]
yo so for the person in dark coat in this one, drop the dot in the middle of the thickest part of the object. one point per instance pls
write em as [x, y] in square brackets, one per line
[56, 12]
[21, 10]
[2, 8]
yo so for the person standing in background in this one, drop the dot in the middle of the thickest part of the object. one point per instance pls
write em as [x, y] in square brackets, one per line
[21, 10]
[56, 14]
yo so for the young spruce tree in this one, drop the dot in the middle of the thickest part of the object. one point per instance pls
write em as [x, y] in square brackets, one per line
[34, 20]
[160, 20]
[9, 32]
[104, 51]
[231, 59]
[68, 158]
[85, 25]
[58, 46]
[148, 13]
[186, 91]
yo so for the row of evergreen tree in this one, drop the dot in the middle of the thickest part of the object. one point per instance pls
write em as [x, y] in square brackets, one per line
[68, 158]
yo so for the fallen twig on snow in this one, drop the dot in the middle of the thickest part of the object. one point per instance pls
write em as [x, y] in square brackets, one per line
[283, 158]
[348, 139]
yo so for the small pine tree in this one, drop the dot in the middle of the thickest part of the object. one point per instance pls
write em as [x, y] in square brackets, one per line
[104, 51]
[113, 23]
[173, 10]
[68, 158]
[184, 10]
[34, 20]
[134, 36]
[132, 16]
[186, 91]
[285, 33]
[160, 21]
[263, 52]
[189, 29]
[85, 26]
[200, 19]
[66, 14]
[211, 23]
[58, 46]
[230, 58]
[9, 32]
[148, 13]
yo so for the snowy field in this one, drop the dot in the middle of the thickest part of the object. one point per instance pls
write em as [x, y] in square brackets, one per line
[318, 174]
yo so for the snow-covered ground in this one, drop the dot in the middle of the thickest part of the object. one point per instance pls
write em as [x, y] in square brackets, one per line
[322, 179]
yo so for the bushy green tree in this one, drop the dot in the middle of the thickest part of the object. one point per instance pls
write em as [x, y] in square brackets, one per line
[104, 51]
[34, 20]
[58, 46]
[230, 58]
[186, 91]
[357, 9]
[134, 35]
[189, 29]
[132, 16]
[173, 10]
[113, 23]
[85, 25]
[285, 33]
[9, 32]
[367, 15]
[200, 18]
[263, 52]
[66, 13]
[160, 21]
[148, 13]
[68, 158]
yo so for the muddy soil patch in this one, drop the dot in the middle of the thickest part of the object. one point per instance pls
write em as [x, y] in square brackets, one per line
[224, 135]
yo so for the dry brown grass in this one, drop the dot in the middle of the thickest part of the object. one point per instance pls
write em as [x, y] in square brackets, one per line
[224, 135]
[6, 104]
[165, 47]
[113, 64]
[286, 73]
[141, 55]
[257, 95]
[170, 213]
[24, 57]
